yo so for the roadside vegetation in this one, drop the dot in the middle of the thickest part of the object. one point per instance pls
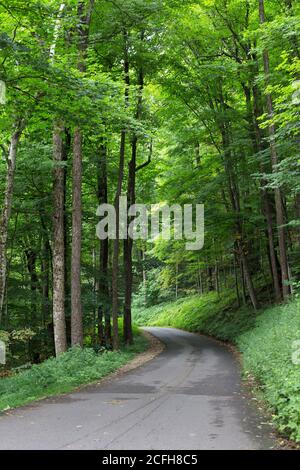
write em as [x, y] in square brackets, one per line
[63, 374]
[268, 340]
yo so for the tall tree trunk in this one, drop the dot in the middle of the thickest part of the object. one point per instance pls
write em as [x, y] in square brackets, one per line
[31, 266]
[217, 280]
[271, 242]
[235, 263]
[131, 199]
[297, 213]
[45, 290]
[31, 257]
[84, 17]
[101, 333]
[280, 218]
[103, 291]
[59, 322]
[67, 238]
[58, 255]
[128, 244]
[255, 133]
[266, 196]
[234, 194]
[144, 274]
[7, 206]
[248, 278]
[242, 276]
[76, 307]
[45, 257]
[210, 279]
[116, 245]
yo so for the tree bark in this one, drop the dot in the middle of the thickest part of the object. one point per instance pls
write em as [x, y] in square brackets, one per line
[58, 255]
[297, 213]
[103, 290]
[235, 262]
[217, 280]
[67, 237]
[127, 249]
[7, 206]
[31, 257]
[45, 257]
[59, 323]
[116, 247]
[144, 274]
[210, 279]
[248, 278]
[45, 266]
[76, 307]
[101, 337]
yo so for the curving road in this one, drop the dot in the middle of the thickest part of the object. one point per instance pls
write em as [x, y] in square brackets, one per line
[189, 397]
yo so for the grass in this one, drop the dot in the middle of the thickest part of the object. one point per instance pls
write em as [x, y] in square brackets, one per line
[70, 370]
[269, 341]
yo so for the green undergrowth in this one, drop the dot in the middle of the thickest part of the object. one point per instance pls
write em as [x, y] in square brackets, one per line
[70, 370]
[269, 341]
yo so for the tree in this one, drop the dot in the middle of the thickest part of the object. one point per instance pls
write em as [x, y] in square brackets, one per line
[280, 218]
[84, 18]
[58, 261]
[7, 205]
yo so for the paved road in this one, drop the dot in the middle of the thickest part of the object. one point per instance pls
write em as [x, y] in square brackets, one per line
[189, 397]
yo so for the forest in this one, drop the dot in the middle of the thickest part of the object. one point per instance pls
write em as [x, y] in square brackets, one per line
[164, 102]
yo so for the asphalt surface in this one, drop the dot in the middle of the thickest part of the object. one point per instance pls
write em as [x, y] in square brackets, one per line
[189, 397]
